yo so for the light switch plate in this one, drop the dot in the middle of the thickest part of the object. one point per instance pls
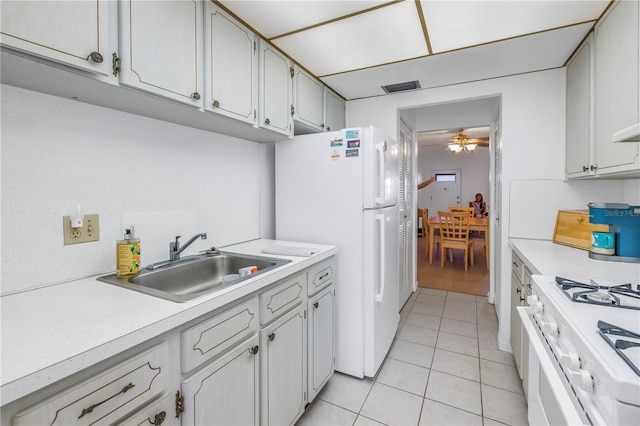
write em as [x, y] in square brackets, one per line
[90, 230]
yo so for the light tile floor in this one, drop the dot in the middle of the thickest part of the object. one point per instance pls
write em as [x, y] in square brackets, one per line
[444, 368]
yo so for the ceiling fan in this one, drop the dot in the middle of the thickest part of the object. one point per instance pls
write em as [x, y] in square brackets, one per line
[461, 142]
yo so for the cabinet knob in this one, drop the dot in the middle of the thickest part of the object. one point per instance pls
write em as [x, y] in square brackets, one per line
[585, 168]
[254, 350]
[216, 104]
[159, 418]
[96, 57]
[272, 336]
[196, 96]
[593, 167]
[328, 129]
[267, 121]
[315, 305]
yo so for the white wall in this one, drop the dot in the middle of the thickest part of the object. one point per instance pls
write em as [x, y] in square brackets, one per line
[533, 129]
[164, 178]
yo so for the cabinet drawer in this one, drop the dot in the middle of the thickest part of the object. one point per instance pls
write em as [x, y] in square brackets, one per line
[320, 276]
[517, 265]
[526, 277]
[107, 397]
[210, 338]
[154, 413]
[281, 298]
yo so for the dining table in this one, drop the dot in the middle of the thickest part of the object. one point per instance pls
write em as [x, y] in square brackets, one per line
[478, 224]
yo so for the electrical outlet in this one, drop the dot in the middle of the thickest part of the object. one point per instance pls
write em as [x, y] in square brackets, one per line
[89, 231]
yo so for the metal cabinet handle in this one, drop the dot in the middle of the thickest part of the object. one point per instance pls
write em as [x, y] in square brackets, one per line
[267, 121]
[328, 129]
[216, 104]
[159, 418]
[196, 96]
[585, 168]
[518, 290]
[96, 57]
[272, 336]
[593, 167]
[90, 408]
[315, 305]
[522, 299]
[254, 350]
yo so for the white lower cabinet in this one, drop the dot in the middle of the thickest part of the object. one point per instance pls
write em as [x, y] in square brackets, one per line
[284, 368]
[321, 346]
[107, 396]
[247, 363]
[226, 392]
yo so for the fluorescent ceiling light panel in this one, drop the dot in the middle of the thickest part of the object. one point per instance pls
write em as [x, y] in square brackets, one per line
[388, 34]
[274, 18]
[457, 24]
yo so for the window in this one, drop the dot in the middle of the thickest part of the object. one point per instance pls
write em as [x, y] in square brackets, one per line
[445, 177]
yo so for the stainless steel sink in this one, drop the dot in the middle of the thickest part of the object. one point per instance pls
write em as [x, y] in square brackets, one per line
[188, 279]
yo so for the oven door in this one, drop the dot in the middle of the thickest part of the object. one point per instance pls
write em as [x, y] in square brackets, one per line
[550, 399]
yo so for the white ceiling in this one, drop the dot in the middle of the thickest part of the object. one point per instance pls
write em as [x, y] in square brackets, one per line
[356, 46]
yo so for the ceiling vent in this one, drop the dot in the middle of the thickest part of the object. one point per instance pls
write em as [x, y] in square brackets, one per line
[401, 87]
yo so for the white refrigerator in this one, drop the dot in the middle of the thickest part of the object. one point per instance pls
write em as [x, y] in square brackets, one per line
[341, 188]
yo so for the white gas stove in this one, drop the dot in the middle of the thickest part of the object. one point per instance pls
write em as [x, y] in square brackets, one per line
[585, 352]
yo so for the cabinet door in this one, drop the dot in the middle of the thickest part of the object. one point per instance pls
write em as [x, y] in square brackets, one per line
[321, 340]
[283, 369]
[617, 86]
[226, 392]
[516, 324]
[161, 48]
[230, 66]
[275, 90]
[70, 32]
[334, 113]
[579, 111]
[308, 102]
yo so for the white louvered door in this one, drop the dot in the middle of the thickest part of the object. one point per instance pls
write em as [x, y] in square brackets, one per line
[406, 213]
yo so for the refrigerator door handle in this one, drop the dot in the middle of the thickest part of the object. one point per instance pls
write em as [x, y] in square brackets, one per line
[380, 219]
[380, 151]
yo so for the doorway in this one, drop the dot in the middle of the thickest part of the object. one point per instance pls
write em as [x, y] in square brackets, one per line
[439, 119]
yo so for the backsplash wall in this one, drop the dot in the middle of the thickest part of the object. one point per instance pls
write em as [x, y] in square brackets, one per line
[164, 178]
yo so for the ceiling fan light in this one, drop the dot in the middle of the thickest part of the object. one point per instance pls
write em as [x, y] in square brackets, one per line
[470, 147]
[455, 148]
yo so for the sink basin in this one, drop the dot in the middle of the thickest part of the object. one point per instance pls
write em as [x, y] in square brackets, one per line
[188, 279]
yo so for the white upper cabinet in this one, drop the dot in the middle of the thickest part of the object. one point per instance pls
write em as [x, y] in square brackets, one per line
[161, 48]
[308, 103]
[70, 32]
[580, 111]
[231, 66]
[275, 90]
[617, 46]
[334, 111]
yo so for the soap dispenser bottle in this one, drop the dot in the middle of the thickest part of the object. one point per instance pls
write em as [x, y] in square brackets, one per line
[128, 254]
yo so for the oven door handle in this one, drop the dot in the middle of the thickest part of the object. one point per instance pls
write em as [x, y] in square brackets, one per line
[546, 367]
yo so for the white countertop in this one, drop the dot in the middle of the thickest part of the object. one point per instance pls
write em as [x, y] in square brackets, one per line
[545, 257]
[52, 332]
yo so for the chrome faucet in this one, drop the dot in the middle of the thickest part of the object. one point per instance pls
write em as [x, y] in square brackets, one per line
[175, 249]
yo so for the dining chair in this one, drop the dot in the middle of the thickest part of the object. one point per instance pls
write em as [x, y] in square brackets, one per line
[476, 237]
[469, 210]
[454, 234]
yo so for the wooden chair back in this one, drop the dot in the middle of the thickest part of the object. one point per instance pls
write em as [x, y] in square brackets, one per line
[468, 210]
[454, 226]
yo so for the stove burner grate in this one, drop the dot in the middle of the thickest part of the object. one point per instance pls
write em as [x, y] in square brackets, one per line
[599, 294]
[605, 330]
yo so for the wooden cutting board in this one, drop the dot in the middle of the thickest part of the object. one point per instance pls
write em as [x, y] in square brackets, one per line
[573, 229]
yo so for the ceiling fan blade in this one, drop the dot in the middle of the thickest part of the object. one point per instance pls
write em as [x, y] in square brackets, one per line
[482, 144]
[482, 139]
